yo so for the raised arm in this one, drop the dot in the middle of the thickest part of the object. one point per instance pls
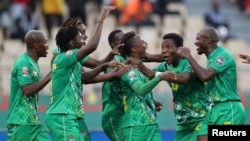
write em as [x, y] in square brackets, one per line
[95, 38]
[92, 63]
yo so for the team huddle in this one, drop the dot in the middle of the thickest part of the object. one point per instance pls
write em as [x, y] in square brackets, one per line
[202, 96]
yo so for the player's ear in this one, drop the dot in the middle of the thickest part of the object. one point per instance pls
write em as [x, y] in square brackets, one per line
[71, 43]
[133, 49]
[36, 45]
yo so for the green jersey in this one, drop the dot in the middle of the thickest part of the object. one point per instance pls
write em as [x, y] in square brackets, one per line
[138, 100]
[190, 100]
[112, 95]
[23, 109]
[66, 86]
[223, 87]
[56, 51]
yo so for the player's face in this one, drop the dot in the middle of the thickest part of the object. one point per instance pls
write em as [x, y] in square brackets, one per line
[169, 51]
[140, 45]
[78, 41]
[200, 43]
[82, 30]
[42, 46]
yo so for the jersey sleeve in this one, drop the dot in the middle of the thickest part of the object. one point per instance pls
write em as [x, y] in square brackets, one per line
[24, 72]
[84, 60]
[69, 58]
[143, 89]
[221, 62]
[132, 78]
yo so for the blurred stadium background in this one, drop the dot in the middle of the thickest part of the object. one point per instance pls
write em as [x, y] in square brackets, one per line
[188, 23]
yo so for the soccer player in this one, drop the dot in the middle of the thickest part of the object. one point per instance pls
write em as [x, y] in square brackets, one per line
[139, 120]
[23, 122]
[65, 109]
[89, 62]
[245, 58]
[189, 96]
[220, 77]
[113, 111]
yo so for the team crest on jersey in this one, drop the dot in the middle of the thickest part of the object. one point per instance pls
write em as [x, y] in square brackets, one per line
[220, 61]
[69, 53]
[131, 75]
[25, 71]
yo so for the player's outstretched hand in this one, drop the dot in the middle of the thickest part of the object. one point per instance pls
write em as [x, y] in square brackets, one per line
[116, 49]
[105, 13]
[120, 71]
[115, 63]
[184, 52]
[168, 76]
[246, 58]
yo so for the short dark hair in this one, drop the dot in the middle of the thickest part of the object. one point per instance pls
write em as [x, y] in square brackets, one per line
[211, 33]
[64, 35]
[111, 36]
[128, 43]
[178, 40]
[71, 22]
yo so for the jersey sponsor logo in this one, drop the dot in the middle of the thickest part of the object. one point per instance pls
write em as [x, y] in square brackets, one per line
[53, 66]
[220, 61]
[131, 75]
[25, 72]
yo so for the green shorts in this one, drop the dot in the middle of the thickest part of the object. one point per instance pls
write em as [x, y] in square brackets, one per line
[227, 113]
[64, 127]
[27, 133]
[112, 127]
[84, 129]
[142, 133]
[191, 129]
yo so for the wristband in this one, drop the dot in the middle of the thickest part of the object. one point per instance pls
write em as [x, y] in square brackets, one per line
[157, 73]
